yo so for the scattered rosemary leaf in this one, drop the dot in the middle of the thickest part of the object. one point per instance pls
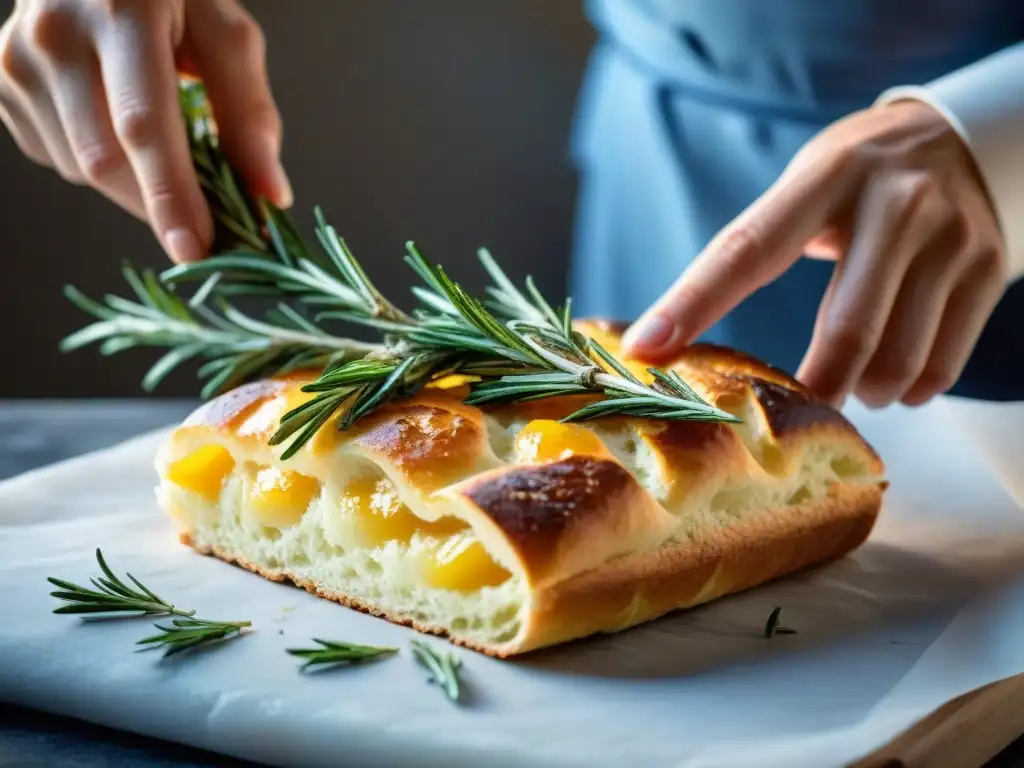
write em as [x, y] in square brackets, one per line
[443, 668]
[332, 652]
[772, 626]
[111, 596]
[184, 634]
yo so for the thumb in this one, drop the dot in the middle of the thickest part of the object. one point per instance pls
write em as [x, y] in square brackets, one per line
[228, 50]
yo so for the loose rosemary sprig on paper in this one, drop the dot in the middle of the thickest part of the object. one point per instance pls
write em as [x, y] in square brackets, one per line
[111, 596]
[183, 634]
[333, 653]
[514, 344]
[443, 667]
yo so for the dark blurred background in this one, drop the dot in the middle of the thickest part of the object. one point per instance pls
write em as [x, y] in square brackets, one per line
[446, 122]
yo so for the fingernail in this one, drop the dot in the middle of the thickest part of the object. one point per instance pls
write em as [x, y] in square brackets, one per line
[649, 335]
[285, 196]
[183, 245]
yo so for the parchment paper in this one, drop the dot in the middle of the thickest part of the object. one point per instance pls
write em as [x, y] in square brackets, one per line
[931, 607]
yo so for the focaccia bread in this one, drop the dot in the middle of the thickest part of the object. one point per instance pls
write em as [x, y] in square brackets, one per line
[507, 530]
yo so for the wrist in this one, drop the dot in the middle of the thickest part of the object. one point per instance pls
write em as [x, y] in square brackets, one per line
[984, 103]
[922, 116]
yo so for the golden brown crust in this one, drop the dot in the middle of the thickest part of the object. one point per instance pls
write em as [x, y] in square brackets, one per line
[693, 456]
[735, 364]
[233, 408]
[788, 410]
[567, 516]
[431, 441]
[536, 507]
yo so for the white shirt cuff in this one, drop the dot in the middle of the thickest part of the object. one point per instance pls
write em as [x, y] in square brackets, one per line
[984, 102]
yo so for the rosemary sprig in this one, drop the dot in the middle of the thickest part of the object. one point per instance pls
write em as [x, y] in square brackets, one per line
[772, 626]
[535, 354]
[111, 597]
[236, 347]
[514, 343]
[561, 361]
[234, 211]
[184, 634]
[332, 653]
[443, 667]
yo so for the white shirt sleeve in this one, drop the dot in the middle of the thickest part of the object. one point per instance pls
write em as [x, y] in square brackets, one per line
[984, 102]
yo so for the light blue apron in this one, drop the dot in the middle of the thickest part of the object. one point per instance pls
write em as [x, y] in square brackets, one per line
[692, 108]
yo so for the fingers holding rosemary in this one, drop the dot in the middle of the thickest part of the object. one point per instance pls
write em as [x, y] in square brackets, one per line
[90, 89]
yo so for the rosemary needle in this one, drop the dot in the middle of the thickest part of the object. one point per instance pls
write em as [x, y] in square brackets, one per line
[333, 653]
[443, 667]
[772, 626]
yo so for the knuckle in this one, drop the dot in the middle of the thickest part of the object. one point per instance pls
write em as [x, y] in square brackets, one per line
[889, 370]
[739, 246]
[867, 155]
[99, 161]
[263, 118]
[51, 27]
[137, 124]
[957, 231]
[13, 65]
[935, 379]
[161, 197]
[912, 192]
[847, 339]
[242, 32]
[991, 262]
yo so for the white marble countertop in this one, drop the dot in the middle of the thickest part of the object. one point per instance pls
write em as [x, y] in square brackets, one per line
[39, 432]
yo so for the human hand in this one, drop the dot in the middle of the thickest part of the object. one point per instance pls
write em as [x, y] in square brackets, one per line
[892, 194]
[90, 88]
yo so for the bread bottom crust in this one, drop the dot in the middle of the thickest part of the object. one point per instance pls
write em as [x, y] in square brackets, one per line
[638, 588]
